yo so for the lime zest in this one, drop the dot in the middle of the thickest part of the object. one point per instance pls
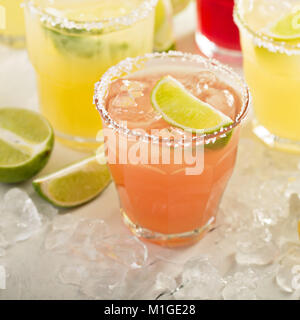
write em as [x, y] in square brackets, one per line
[182, 109]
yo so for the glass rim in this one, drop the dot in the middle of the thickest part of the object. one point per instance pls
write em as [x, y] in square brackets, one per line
[140, 13]
[260, 39]
[127, 65]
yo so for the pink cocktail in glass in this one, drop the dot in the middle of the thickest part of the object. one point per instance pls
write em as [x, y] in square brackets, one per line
[163, 201]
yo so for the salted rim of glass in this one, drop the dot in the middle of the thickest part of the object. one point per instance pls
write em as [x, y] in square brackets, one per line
[260, 39]
[126, 67]
[138, 14]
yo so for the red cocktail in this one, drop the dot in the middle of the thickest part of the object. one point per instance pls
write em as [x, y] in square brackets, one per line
[217, 34]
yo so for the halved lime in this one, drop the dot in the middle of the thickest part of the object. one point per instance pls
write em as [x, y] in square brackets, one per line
[288, 27]
[26, 142]
[182, 109]
[164, 39]
[75, 184]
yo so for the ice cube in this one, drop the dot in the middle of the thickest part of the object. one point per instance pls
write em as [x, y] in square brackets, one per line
[288, 274]
[229, 98]
[206, 77]
[256, 248]
[140, 283]
[135, 88]
[219, 100]
[241, 286]
[58, 240]
[20, 219]
[165, 283]
[123, 101]
[73, 274]
[62, 229]
[105, 281]
[64, 222]
[127, 250]
[88, 236]
[200, 280]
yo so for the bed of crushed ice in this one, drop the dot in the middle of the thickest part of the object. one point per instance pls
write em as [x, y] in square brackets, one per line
[253, 252]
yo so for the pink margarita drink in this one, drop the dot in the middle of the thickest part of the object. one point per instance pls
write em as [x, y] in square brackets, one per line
[161, 200]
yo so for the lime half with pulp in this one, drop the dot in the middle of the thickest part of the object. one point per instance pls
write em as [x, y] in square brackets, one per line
[75, 184]
[26, 142]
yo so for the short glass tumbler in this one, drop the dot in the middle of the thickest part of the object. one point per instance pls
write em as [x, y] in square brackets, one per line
[170, 181]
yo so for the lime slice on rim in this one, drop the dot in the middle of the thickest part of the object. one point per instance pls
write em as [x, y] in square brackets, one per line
[164, 39]
[75, 184]
[287, 28]
[182, 109]
[26, 142]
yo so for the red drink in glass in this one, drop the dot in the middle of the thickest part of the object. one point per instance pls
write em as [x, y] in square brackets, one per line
[217, 33]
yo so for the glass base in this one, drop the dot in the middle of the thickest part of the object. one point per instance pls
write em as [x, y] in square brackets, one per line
[17, 42]
[78, 143]
[211, 50]
[274, 141]
[168, 240]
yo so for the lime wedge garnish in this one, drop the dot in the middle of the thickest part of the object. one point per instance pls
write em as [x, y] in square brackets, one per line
[75, 184]
[181, 109]
[164, 39]
[26, 142]
[287, 28]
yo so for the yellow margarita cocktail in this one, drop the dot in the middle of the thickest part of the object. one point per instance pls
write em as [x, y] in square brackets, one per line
[12, 28]
[270, 35]
[70, 43]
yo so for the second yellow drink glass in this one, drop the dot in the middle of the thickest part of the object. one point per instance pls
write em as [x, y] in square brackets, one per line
[270, 36]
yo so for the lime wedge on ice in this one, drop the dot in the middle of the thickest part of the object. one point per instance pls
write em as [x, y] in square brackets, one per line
[181, 109]
[287, 28]
[75, 184]
[26, 142]
[164, 39]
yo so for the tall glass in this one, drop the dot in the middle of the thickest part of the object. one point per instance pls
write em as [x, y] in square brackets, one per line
[217, 35]
[169, 201]
[272, 70]
[12, 29]
[70, 44]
